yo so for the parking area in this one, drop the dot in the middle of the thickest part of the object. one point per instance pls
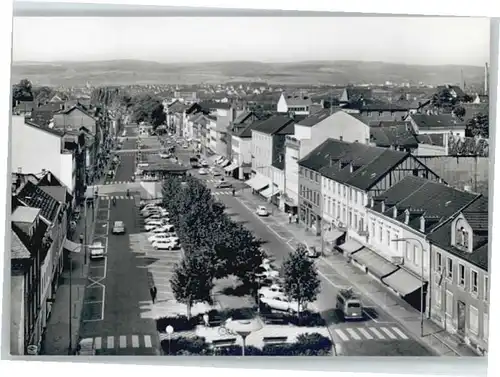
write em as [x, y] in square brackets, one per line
[95, 291]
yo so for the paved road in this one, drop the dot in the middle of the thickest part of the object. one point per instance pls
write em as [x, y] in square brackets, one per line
[377, 335]
[118, 286]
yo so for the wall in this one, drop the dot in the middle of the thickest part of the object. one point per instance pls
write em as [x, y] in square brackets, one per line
[292, 174]
[68, 170]
[460, 171]
[45, 281]
[282, 106]
[430, 150]
[262, 146]
[17, 313]
[34, 149]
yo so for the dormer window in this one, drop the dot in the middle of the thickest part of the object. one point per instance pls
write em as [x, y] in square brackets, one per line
[462, 237]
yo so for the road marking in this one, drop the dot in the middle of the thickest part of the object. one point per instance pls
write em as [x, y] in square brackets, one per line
[135, 341]
[353, 334]
[388, 333]
[365, 333]
[123, 341]
[399, 332]
[376, 332]
[147, 341]
[97, 343]
[343, 336]
[111, 342]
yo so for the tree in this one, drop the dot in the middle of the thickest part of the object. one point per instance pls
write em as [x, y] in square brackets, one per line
[459, 111]
[22, 91]
[192, 280]
[42, 94]
[478, 126]
[148, 108]
[301, 282]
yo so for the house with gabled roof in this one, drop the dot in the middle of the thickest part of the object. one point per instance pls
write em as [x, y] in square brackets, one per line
[74, 118]
[444, 124]
[400, 220]
[459, 282]
[337, 179]
[355, 94]
[396, 135]
[297, 104]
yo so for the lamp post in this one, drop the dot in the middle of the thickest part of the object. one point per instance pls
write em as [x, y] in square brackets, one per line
[170, 331]
[421, 278]
[244, 328]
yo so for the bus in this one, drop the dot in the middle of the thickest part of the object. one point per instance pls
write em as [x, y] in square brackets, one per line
[194, 162]
[350, 304]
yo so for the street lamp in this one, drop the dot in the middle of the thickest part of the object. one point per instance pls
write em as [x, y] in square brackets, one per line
[170, 331]
[421, 278]
[244, 328]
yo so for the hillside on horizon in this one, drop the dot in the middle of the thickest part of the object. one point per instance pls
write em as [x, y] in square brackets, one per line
[342, 72]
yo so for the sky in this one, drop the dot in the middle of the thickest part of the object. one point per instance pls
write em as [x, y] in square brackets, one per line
[427, 41]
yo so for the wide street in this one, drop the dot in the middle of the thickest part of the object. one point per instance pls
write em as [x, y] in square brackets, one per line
[377, 335]
[118, 287]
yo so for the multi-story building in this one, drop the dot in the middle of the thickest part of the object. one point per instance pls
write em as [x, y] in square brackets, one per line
[36, 148]
[337, 179]
[297, 104]
[308, 134]
[241, 150]
[459, 283]
[268, 147]
[75, 118]
[442, 124]
[399, 221]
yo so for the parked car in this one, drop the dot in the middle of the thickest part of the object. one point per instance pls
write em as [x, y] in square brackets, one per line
[312, 252]
[163, 236]
[272, 291]
[216, 173]
[262, 211]
[282, 304]
[204, 163]
[267, 272]
[97, 250]
[202, 172]
[164, 155]
[224, 184]
[165, 245]
[155, 212]
[154, 224]
[164, 229]
[86, 347]
[157, 217]
[118, 227]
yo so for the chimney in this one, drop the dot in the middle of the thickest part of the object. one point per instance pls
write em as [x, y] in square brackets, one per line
[394, 212]
[382, 209]
[467, 188]
[372, 202]
[351, 168]
[422, 223]
[407, 217]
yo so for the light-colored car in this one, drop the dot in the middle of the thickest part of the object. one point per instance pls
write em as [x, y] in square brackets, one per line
[202, 172]
[165, 245]
[155, 211]
[282, 304]
[119, 227]
[157, 217]
[271, 292]
[86, 347]
[164, 155]
[224, 184]
[155, 224]
[163, 229]
[262, 211]
[216, 173]
[97, 250]
[163, 236]
[267, 272]
[204, 163]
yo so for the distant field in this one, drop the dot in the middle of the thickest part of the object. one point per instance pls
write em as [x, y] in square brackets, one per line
[143, 72]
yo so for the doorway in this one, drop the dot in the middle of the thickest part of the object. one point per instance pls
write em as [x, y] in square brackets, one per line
[461, 317]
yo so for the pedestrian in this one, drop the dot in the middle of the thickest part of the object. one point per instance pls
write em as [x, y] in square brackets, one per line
[153, 291]
[296, 219]
[81, 238]
[290, 217]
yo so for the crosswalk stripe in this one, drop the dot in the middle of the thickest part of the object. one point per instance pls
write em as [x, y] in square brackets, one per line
[343, 336]
[97, 343]
[390, 334]
[353, 334]
[135, 341]
[123, 341]
[147, 341]
[376, 332]
[365, 333]
[399, 332]
[111, 342]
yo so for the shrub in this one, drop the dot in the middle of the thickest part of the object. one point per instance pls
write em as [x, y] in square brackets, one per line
[179, 323]
[312, 344]
[236, 351]
[185, 345]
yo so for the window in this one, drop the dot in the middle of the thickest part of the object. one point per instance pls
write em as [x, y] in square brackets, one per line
[355, 197]
[316, 176]
[338, 188]
[350, 193]
[486, 289]
[380, 234]
[485, 326]
[350, 218]
[355, 219]
[473, 320]
[388, 234]
[373, 230]
[416, 255]
[473, 282]
[439, 262]
[449, 268]
[408, 251]
[333, 208]
[461, 275]
[462, 237]
[345, 191]
[449, 304]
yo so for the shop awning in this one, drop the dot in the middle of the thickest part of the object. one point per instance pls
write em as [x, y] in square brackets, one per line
[375, 264]
[71, 246]
[218, 159]
[403, 282]
[351, 246]
[270, 191]
[224, 163]
[257, 183]
[333, 235]
[231, 167]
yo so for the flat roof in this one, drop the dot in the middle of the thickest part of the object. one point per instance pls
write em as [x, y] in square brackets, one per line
[24, 214]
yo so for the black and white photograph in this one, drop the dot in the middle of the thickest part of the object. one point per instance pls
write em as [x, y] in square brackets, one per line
[249, 186]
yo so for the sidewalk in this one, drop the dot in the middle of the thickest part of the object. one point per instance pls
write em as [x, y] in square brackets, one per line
[435, 337]
[57, 339]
